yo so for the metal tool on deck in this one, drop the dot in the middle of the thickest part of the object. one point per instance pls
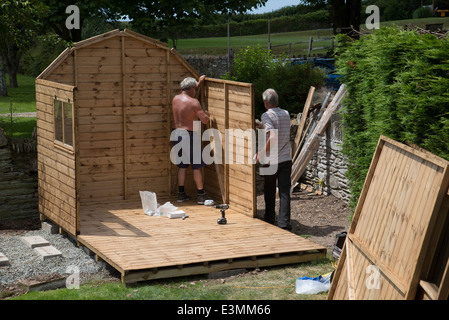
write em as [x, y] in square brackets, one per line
[222, 207]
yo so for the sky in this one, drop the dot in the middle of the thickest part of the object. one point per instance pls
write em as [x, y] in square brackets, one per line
[272, 5]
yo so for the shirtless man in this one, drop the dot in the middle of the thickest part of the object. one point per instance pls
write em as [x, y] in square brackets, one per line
[186, 110]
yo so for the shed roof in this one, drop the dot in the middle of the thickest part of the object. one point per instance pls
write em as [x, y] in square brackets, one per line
[108, 35]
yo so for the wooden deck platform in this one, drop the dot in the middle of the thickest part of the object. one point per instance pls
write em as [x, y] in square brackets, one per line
[143, 247]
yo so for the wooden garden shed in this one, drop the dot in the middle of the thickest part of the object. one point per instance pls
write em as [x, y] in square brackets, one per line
[104, 120]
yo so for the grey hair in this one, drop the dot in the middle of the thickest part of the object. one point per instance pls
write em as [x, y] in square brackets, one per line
[271, 97]
[188, 83]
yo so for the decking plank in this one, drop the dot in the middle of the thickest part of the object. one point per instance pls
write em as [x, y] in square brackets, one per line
[131, 241]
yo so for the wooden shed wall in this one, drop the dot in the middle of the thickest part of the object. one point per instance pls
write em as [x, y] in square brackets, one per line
[125, 86]
[231, 106]
[56, 166]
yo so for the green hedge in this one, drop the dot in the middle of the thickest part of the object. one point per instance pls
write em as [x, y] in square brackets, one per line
[309, 21]
[397, 84]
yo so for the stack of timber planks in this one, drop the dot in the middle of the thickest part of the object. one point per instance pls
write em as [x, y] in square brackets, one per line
[309, 134]
[397, 245]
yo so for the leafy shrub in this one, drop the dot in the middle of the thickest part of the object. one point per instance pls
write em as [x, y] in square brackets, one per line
[397, 85]
[46, 49]
[422, 12]
[291, 82]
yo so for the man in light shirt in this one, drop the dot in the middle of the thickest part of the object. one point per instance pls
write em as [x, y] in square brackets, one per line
[276, 122]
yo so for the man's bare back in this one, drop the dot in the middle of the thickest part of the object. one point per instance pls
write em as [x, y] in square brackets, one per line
[187, 109]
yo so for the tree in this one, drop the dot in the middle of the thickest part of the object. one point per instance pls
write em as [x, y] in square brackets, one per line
[3, 89]
[106, 10]
[345, 14]
[19, 25]
[169, 18]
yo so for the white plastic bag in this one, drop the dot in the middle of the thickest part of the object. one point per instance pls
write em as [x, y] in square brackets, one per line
[167, 208]
[316, 285]
[149, 202]
[176, 214]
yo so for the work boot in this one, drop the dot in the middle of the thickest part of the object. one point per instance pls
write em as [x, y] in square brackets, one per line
[182, 196]
[201, 198]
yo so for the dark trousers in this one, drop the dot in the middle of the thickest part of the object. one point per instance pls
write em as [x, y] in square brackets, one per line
[282, 177]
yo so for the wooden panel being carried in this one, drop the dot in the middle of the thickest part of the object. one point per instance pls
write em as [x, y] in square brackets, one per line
[144, 247]
[391, 247]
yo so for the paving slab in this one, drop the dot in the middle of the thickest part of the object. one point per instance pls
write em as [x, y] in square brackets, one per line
[48, 252]
[49, 227]
[4, 261]
[35, 241]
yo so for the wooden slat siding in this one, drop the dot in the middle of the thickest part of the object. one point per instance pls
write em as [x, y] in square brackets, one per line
[435, 269]
[61, 58]
[76, 131]
[231, 107]
[56, 167]
[100, 118]
[63, 73]
[216, 108]
[124, 117]
[142, 121]
[169, 111]
[397, 224]
[244, 96]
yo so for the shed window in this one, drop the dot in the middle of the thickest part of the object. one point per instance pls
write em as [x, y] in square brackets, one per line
[63, 123]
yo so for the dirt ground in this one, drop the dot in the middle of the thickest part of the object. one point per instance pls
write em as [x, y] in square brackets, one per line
[316, 217]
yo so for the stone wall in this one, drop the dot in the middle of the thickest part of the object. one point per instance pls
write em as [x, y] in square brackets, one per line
[211, 66]
[18, 180]
[326, 171]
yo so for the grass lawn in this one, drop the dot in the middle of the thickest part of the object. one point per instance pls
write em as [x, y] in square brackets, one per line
[21, 126]
[277, 283]
[219, 46]
[20, 99]
[23, 98]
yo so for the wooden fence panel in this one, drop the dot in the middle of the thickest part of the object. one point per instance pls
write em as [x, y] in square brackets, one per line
[231, 106]
[396, 224]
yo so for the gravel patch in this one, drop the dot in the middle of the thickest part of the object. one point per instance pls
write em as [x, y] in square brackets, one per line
[25, 263]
